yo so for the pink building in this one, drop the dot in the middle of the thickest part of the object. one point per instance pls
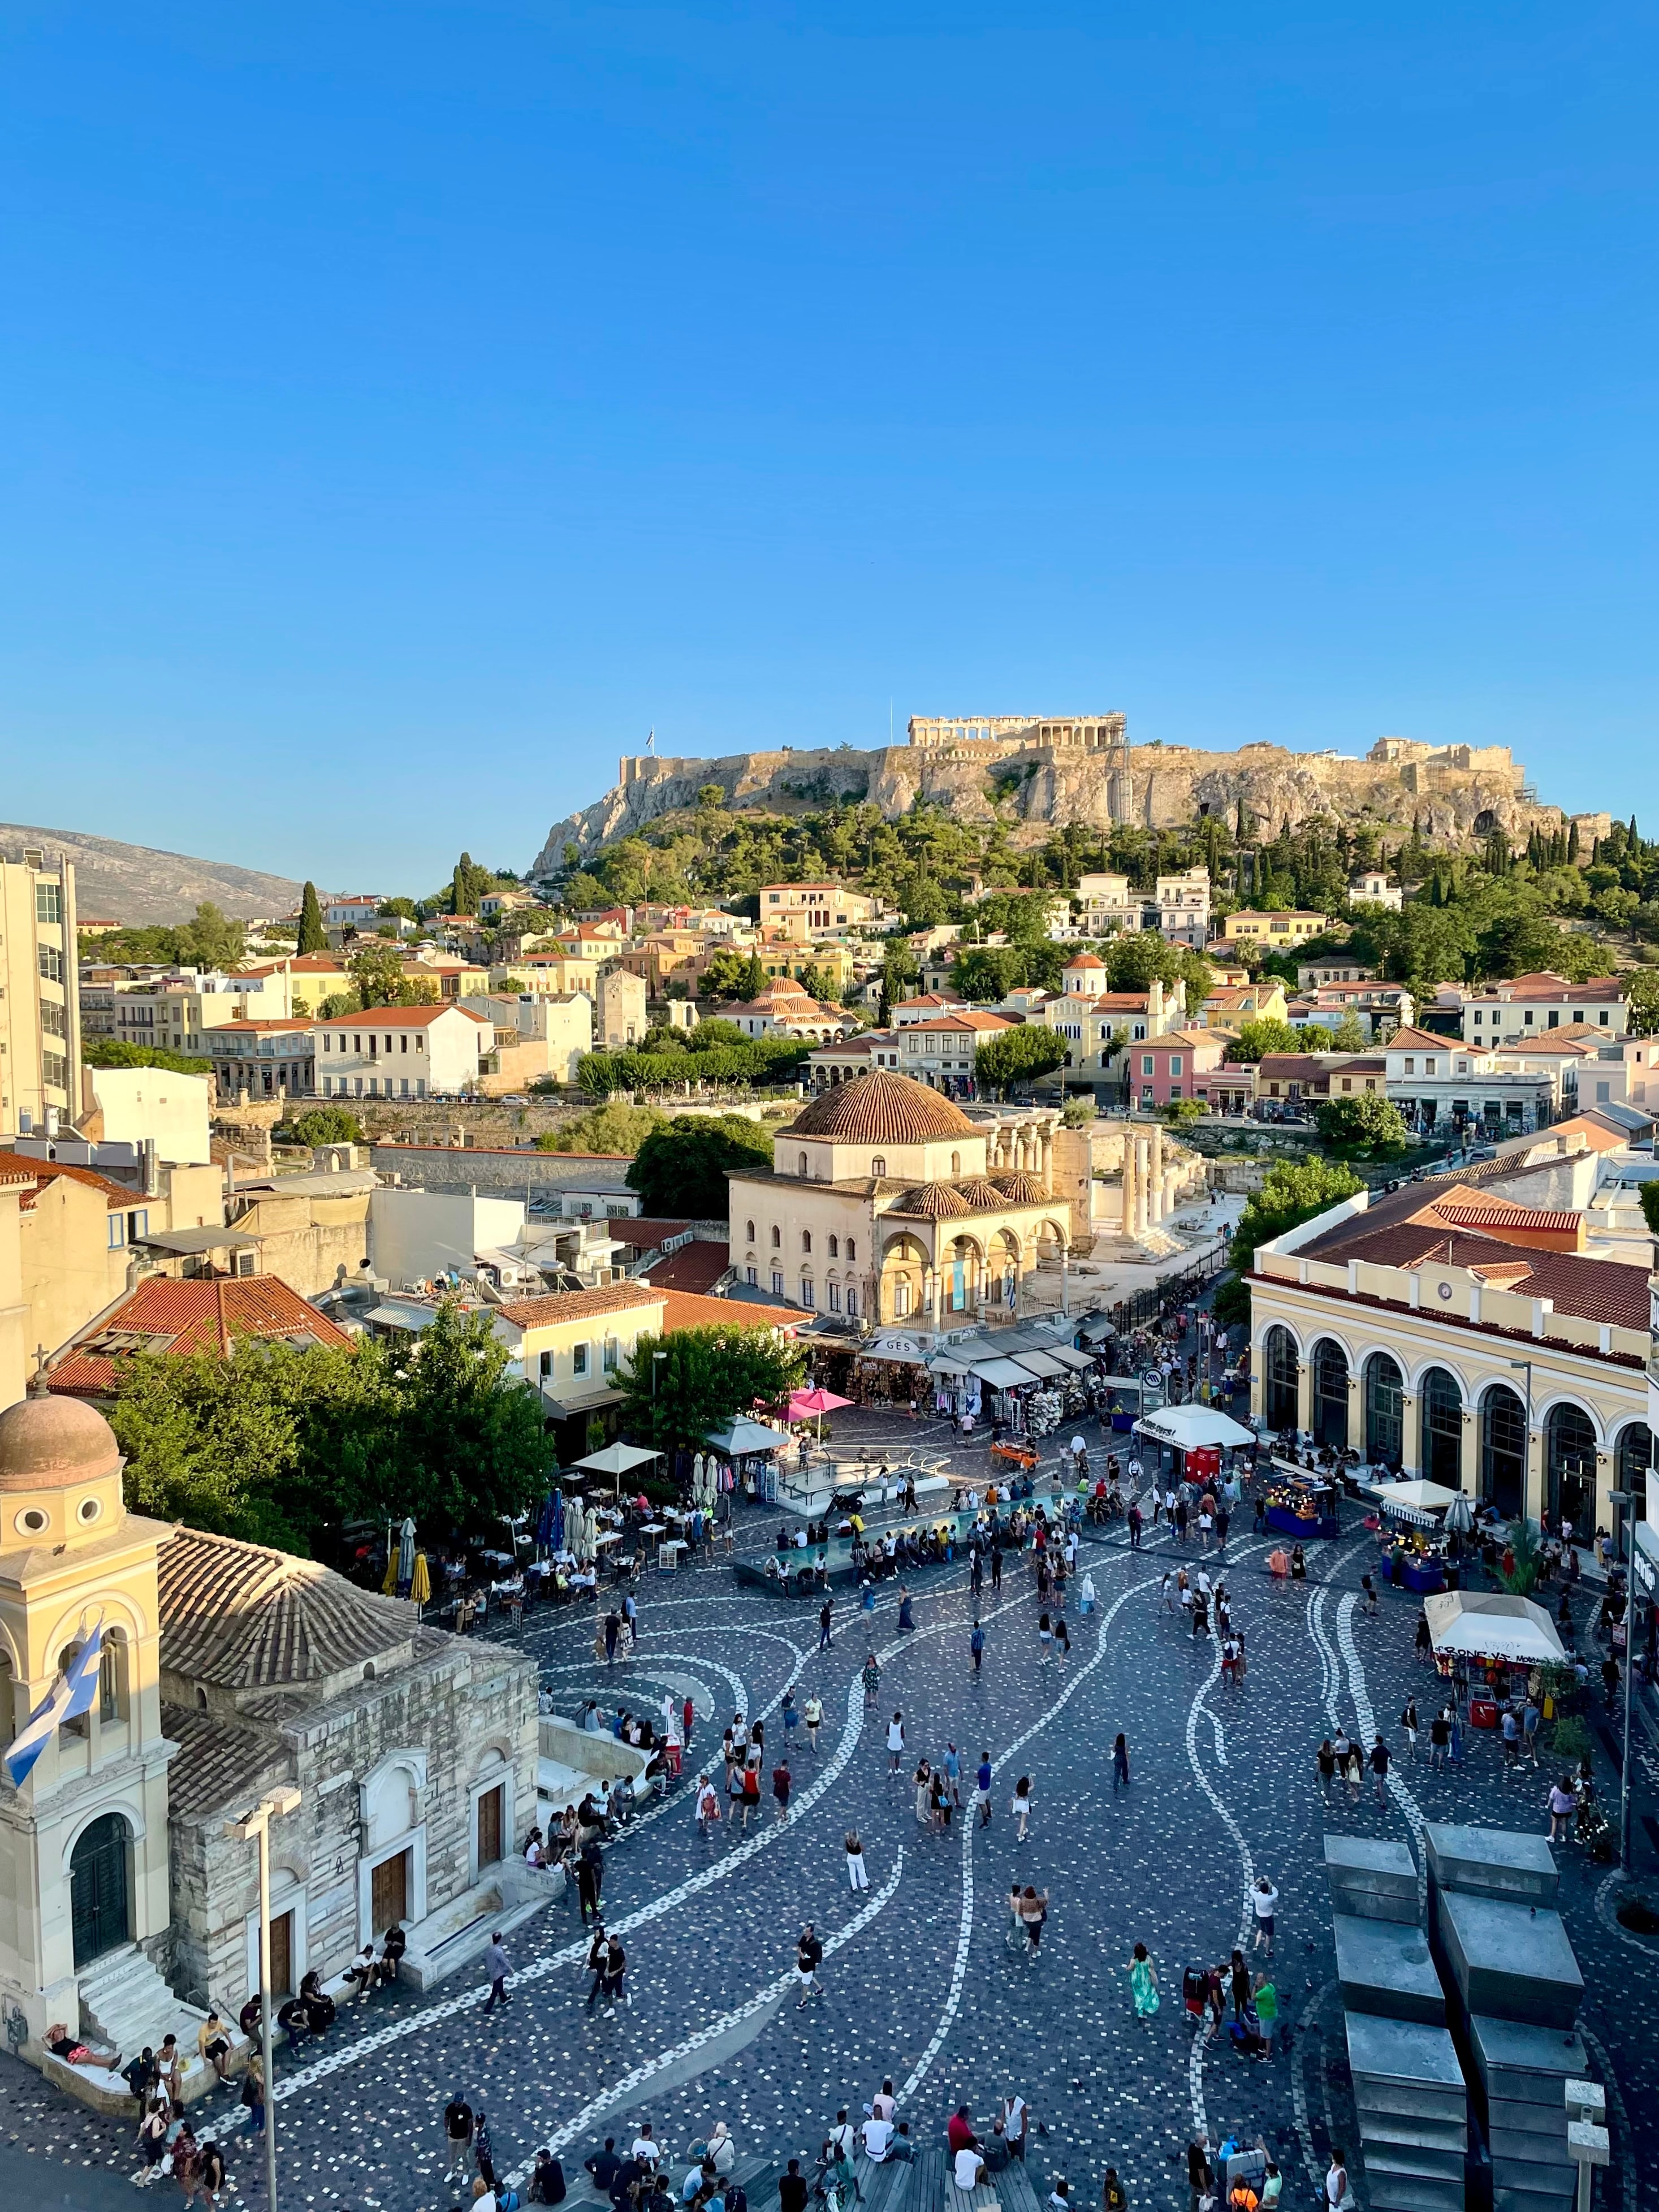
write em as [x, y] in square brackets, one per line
[1173, 1066]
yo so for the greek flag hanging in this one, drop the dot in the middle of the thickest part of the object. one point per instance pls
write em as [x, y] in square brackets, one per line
[70, 1695]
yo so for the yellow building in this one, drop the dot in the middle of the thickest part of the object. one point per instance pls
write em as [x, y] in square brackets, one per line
[886, 1202]
[39, 994]
[83, 1846]
[573, 1345]
[1460, 1337]
[830, 957]
[1273, 933]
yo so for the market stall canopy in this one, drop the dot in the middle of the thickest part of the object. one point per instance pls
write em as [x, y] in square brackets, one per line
[1004, 1374]
[943, 1363]
[741, 1437]
[1039, 1362]
[617, 1460]
[1192, 1428]
[1414, 1501]
[1078, 1361]
[1094, 1328]
[1487, 1624]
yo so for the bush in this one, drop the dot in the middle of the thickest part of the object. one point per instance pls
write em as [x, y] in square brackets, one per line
[1571, 1741]
[115, 1052]
[1179, 1111]
[325, 1125]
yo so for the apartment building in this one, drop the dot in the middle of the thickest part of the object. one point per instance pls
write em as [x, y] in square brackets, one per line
[1544, 1001]
[265, 1060]
[1273, 933]
[401, 1052]
[179, 1012]
[1183, 907]
[1107, 906]
[1374, 889]
[824, 906]
[40, 1005]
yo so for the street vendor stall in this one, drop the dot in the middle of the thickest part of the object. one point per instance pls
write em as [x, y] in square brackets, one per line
[1189, 1440]
[753, 1449]
[1414, 1536]
[1490, 1636]
[616, 1461]
[1302, 1505]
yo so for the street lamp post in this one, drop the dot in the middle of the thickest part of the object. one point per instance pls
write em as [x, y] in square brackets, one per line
[1620, 1499]
[255, 1827]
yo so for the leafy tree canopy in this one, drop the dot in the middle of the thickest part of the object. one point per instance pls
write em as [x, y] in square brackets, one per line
[706, 1376]
[1257, 1039]
[1294, 1191]
[116, 1052]
[1364, 1126]
[615, 1126]
[1017, 1055]
[680, 1171]
[325, 1125]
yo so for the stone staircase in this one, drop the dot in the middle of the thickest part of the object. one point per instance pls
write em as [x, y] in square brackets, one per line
[125, 2004]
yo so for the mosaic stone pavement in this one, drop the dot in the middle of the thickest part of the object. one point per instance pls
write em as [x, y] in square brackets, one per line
[920, 1980]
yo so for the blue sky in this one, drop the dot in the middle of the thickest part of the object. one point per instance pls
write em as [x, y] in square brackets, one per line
[403, 408]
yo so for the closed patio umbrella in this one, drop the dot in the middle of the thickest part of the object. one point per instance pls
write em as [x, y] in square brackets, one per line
[420, 1582]
[406, 1553]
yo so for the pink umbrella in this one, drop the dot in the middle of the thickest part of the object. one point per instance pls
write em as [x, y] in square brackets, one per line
[803, 1402]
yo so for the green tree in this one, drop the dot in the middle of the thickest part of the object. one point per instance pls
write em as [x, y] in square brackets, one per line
[725, 976]
[511, 986]
[468, 1444]
[116, 1052]
[1256, 1039]
[1365, 1126]
[1293, 1192]
[1017, 1055]
[1179, 1111]
[211, 940]
[398, 909]
[705, 1377]
[714, 1035]
[1641, 986]
[615, 1126]
[468, 885]
[680, 1171]
[312, 937]
[325, 1125]
[1651, 1206]
[381, 979]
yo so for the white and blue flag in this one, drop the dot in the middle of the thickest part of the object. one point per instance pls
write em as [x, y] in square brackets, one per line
[70, 1696]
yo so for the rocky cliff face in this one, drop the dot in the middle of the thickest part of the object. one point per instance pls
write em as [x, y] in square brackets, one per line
[1167, 785]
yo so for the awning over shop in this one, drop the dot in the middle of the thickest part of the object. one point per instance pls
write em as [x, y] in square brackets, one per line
[1093, 1328]
[189, 1242]
[1194, 1428]
[1004, 1374]
[945, 1363]
[1069, 1357]
[1042, 1364]
[1418, 1503]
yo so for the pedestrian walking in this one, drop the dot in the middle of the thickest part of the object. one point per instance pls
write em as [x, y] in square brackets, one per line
[895, 1742]
[1325, 1757]
[872, 1676]
[781, 1779]
[809, 1956]
[496, 1965]
[253, 2094]
[983, 1789]
[457, 2134]
[906, 1624]
[1380, 1769]
[708, 1809]
[1062, 1641]
[616, 1966]
[1439, 1739]
[1045, 1639]
[597, 1952]
[857, 1878]
[1408, 1721]
[825, 1615]
[953, 1775]
[813, 1716]
[1529, 1722]
[976, 1645]
[1120, 1762]
[1143, 1983]
[996, 1563]
[1264, 1899]
[1021, 1807]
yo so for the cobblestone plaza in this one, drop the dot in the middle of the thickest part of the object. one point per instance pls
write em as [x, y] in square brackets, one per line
[921, 1982]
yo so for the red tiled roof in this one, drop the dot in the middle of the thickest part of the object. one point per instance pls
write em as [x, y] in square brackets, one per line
[117, 1193]
[644, 1232]
[258, 1028]
[191, 1317]
[686, 1311]
[696, 1266]
[577, 1305]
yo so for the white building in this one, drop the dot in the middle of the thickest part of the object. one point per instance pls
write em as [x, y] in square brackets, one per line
[401, 1052]
[1183, 907]
[1107, 905]
[1498, 1012]
[1374, 889]
[1437, 1083]
[152, 1105]
[353, 912]
[416, 1236]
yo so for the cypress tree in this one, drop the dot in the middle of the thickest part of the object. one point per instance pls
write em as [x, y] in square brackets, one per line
[313, 938]
[1572, 843]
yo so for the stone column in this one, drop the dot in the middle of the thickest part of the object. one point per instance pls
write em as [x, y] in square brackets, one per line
[1143, 1172]
[935, 1299]
[1409, 1437]
[1128, 1185]
[1356, 1412]
[1468, 1454]
[1047, 1142]
[1304, 1394]
[1158, 1191]
[1533, 1500]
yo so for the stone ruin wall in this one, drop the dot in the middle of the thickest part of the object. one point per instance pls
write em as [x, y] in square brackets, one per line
[1167, 786]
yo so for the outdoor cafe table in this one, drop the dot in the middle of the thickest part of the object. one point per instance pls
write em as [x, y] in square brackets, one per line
[607, 1536]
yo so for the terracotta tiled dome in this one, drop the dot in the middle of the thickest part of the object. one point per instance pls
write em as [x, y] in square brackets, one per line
[937, 1201]
[982, 1195]
[1021, 1190]
[882, 1109]
[51, 1443]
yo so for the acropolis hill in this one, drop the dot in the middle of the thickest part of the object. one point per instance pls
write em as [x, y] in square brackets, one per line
[1043, 770]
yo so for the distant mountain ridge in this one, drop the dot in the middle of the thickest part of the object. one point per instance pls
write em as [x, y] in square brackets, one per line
[135, 883]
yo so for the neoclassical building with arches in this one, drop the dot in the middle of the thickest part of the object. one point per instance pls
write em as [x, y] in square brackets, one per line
[125, 1907]
[1461, 1338]
[888, 1203]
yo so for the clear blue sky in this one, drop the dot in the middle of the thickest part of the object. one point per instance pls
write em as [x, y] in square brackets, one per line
[403, 407]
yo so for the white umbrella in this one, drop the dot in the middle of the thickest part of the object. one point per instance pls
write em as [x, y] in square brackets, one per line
[1460, 1514]
[406, 1554]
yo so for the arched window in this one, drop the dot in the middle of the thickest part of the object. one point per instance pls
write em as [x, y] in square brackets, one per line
[878, 1166]
[806, 1240]
[800, 1164]
[1569, 1465]
[1631, 1465]
[955, 1162]
[834, 1247]
[1329, 1412]
[1385, 1427]
[112, 1679]
[851, 1251]
[1441, 1428]
[777, 1236]
[1503, 1451]
[749, 1228]
[1280, 1369]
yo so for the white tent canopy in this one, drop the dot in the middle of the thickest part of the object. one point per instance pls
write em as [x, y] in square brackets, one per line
[1487, 1625]
[740, 1437]
[1191, 1428]
[1414, 1501]
[617, 1459]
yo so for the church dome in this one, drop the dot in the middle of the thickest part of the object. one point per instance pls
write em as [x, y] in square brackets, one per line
[882, 1109]
[982, 1195]
[935, 1202]
[52, 1444]
[1021, 1190]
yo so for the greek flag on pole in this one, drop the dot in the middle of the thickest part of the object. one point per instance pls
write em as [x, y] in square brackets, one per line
[70, 1696]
